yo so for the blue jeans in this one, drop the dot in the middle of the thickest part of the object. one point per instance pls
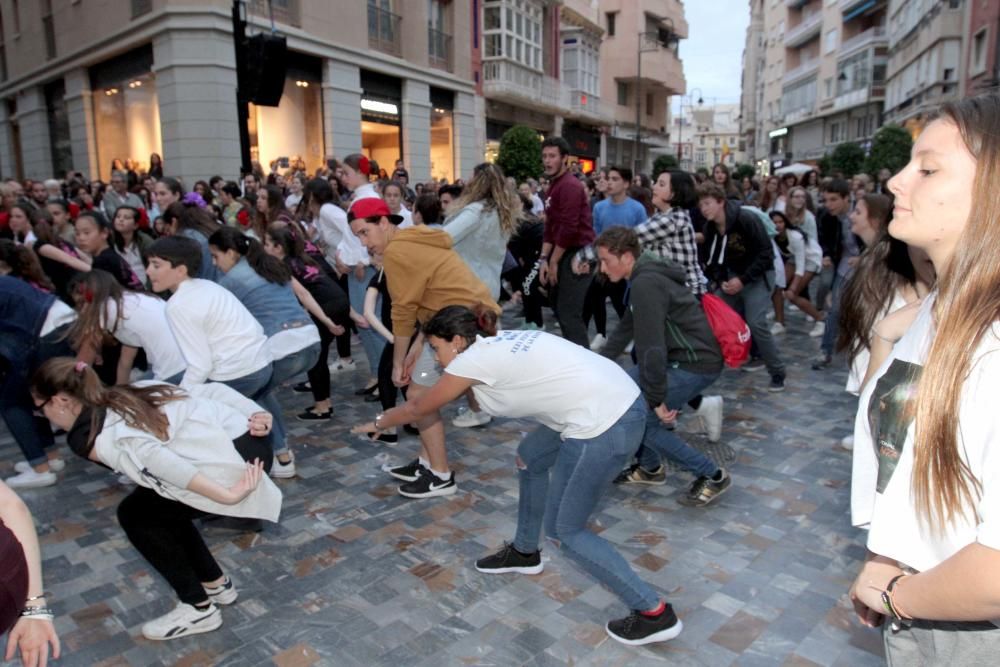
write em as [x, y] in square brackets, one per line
[581, 470]
[251, 385]
[283, 370]
[830, 333]
[658, 442]
[754, 303]
[371, 341]
[32, 434]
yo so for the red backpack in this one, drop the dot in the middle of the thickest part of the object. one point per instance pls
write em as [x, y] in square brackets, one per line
[730, 330]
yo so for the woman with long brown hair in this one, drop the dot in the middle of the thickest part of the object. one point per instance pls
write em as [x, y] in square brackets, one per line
[926, 477]
[190, 452]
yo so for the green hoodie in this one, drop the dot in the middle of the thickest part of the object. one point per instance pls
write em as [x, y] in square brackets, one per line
[669, 327]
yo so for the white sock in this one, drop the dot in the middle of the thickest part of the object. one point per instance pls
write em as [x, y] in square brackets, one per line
[424, 462]
[443, 476]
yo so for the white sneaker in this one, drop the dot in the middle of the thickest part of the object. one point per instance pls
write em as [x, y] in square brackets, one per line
[470, 418]
[55, 465]
[184, 620]
[847, 442]
[30, 479]
[343, 367]
[710, 412]
[818, 329]
[225, 593]
[597, 342]
[630, 347]
[777, 329]
[281, 470]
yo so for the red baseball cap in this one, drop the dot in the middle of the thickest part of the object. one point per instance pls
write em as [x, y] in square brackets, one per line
[372, 207]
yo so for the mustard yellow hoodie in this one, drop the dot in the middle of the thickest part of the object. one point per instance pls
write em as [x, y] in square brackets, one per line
[424, 275]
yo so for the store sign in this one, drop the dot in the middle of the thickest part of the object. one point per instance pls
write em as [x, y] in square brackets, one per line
[582, 142]
[780, 132]
[375, 106]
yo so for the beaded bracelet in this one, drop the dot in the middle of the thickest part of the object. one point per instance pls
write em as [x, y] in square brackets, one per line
[42, 613]
[37, 597]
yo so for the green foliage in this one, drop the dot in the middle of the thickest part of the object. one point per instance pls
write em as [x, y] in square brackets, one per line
[890, 150]
[742, 170]
[848, 158]
[823, 164]
[520, 154]
[665, 162]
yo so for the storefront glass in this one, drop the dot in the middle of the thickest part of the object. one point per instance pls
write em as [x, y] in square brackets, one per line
[292, 130]
[127, 123]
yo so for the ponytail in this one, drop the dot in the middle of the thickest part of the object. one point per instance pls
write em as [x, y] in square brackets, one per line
[269, 268]
[451, 321]
[24, 264]
[138, 406]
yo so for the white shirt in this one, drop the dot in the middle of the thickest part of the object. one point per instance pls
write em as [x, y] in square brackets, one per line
[337, 238]
[59, 315]
[133, 256]
[859, 365]
[538, 375]
[881, 495]
[144, 324]
[537, 205]
[291, 201]
[407, 218]
[219, 338]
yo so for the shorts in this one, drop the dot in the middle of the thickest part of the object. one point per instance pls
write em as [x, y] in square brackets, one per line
[426, 372]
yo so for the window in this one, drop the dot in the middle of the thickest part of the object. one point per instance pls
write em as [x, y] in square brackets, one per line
[830, 45]
[622, 94]
[512, 29]
[16, 14]
[49, 29]
[949, 72]
[3, 52]
[649, 104]
[828, 87]
[701, 141]
[835, 133]
[979, 48]
[610, 18]
[716, 141]
[581, 65]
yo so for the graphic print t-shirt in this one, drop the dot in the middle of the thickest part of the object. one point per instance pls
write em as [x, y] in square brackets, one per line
[535, 374]
[881, 485]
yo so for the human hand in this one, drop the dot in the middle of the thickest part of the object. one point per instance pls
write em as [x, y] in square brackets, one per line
[365, 429]
[732, 286]
[543, 272]
[252, 475]
[33, 637]
[866, 592]
[359, 271]
[553, 272]
[665, 414]
[360, 321]
[827, 262]
[335, 328]
[398, 377]
[580, 267]
[260, 424]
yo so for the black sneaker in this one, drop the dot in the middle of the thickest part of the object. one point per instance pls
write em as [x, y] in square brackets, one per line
[429, 485]
[777, 383]
[637, 629]
[302, 388]
[822, 363]
[636, 474]
[754, 364]
[509, 559]
[409, 472]
[705, 490]
[311, 415]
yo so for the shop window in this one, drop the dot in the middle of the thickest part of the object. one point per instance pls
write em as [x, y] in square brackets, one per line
[293, 129]
[127, 122]
[59, 139]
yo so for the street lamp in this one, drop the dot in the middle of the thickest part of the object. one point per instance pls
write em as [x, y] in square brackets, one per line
[648, 41]
[680, 123]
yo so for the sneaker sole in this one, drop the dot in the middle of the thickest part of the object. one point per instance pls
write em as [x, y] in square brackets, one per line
[776, 390]
[313, 419]
[283, 474]
[687, 502]
[476, 425]
[403, 478]
[647, 482]
[446, 491]
[192, 630]
[31, 485]
[224, 598]
[534, 569]
[661, 636]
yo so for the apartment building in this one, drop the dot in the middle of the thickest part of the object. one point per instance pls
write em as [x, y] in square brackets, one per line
[84, 82]
[716, 136]
[640, 71]
[981, 59]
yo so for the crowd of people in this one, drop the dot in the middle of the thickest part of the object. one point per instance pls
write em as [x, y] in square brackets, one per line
[155, 327]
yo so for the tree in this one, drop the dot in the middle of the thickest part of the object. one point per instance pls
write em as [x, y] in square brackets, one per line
[848, 158]
[520, 154]
[890, 150]
[742, 170]
[665, 162]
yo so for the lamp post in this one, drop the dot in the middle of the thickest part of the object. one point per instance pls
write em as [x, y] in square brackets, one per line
[680, 124]
[648, 41]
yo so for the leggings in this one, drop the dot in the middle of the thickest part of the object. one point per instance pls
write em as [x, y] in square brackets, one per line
[344, 339]
[163, 531]
[319, 375]
[594, 306]
[387, 391]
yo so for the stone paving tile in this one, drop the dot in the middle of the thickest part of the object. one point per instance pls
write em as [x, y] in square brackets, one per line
[356, 575]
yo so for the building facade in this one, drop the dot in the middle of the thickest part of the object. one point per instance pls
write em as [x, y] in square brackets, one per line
[715, 137]
[86, 82]
[981, 59]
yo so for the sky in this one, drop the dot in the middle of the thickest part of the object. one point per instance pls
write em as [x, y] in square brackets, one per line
[713, 52]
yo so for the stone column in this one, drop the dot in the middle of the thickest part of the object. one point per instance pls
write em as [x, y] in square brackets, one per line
[82, 133]
[196, 90]
[8, 167]
[416, 119]
[32, 118]
[470, 133]
[341, 108]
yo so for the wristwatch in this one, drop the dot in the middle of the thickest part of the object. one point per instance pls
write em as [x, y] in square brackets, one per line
[377, 418]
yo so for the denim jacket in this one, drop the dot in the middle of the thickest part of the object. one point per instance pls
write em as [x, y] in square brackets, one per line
[275, 306]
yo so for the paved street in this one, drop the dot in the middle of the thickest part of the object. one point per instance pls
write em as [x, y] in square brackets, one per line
[356, 575]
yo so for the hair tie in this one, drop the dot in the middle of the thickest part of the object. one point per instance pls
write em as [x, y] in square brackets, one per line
[79, 366]
[193, 199]
[364, 166]
[88, 296]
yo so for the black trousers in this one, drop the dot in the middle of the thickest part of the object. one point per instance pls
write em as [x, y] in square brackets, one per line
[599, 292]
[319, 375]
[568, 298]
[387, 391]
[163, 531]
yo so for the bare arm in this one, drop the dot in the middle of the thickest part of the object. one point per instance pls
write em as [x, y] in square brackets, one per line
[214, 491]
[446, 390]
[371, 297]
[63, 257]
[311, 305]
[125, 362]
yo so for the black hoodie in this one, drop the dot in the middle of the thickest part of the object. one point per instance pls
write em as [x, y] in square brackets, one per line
[743, 252]
[669, 326]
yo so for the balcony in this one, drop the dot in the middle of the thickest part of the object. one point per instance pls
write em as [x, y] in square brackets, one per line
[800, 72]
[384, 31]
[850, 9]
[591, 106]
[876, 36]
[512, 82]
[285, 11]
[854, 98]
[439, 49]
[807, 29]
[795, 4]
[661, 69]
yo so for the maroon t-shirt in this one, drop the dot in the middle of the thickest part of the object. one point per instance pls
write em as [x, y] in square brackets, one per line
[568, 222]
[13, 579]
